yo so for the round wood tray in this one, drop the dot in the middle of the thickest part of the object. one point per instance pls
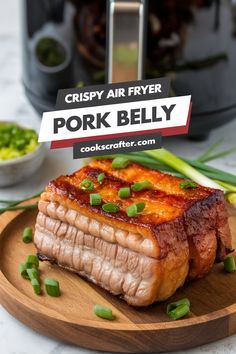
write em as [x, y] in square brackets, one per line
[70, 317]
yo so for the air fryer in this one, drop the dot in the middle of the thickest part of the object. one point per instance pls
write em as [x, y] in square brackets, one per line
[78, 42]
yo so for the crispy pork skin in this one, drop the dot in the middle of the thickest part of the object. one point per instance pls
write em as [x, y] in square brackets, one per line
[178, 236]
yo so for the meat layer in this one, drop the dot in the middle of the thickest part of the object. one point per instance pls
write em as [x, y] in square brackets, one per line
[138, 278]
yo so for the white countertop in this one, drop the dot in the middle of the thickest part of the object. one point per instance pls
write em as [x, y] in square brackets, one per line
[15, 338]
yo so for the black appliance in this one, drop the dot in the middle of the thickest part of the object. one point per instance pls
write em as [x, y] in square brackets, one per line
[191, 41]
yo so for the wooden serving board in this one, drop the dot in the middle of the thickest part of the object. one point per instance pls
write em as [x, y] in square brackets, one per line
[70, 317]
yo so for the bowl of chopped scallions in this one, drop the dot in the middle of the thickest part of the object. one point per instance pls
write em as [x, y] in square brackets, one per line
[20, 153]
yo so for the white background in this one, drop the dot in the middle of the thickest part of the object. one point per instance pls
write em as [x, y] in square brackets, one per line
[15, 338]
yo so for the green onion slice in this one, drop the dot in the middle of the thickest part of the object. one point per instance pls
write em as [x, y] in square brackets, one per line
[179, 312]
[120, 162]
[103, 312]
[101, 177]
[36, 286]
[95, 199]
[187, 185]
[124, 192]
[33, 273]
[87, 185]
[52, 287]
[110, 208]
[178, 309]
[27, 235]
[140, 206]
[32, 261]
[139, 186]
[134, 209]
[23, 271]
[229, 264]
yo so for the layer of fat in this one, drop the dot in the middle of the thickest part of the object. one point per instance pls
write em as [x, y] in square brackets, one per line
[130, 240]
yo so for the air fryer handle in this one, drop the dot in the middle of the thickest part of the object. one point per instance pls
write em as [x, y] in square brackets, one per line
[125, 40]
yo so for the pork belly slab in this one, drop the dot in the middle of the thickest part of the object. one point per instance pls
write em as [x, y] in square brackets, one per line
[178, 236]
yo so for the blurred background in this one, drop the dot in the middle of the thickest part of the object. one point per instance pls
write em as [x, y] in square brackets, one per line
[76, 42]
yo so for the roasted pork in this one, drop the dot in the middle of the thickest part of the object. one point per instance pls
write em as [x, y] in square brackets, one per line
[146, 258]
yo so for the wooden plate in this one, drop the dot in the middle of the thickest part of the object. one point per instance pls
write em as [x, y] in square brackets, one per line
[70, 318]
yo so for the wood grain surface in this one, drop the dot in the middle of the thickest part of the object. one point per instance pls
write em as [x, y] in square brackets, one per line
[70, 317]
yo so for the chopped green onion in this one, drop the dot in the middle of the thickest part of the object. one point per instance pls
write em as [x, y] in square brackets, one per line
[27, 235]
[32, 262]
[36, 286]
[179, 312]
[227, 186]
[95, 199]
[140, 206]
[52, 287]
[139, 186]
[110, 208]
[23, 271]
[124, 192]
[175, 304]
[87, 185]
[103, 312]
[134, 209]
[120, 162]
[178, 309]
[12, 205]
[229, 264]
[33, 273]
[187, 185]
[101, 177]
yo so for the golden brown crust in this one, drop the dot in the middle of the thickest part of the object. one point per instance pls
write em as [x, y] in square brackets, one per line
[165, 202]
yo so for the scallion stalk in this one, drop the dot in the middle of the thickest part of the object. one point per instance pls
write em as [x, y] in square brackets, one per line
[181, 166]
[19, 207]
[139, 186]
[206, 155]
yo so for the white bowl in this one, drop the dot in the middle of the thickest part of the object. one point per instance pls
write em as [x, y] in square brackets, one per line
[16, 170]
